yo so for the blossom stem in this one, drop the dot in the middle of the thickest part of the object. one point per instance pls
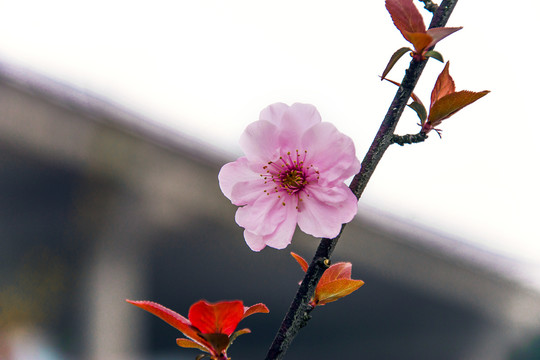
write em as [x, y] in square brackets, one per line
[299, 311]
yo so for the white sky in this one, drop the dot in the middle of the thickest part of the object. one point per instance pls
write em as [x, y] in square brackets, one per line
[207, 68]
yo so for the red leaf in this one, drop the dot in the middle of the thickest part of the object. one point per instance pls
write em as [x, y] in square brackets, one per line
[450, 104]
[303, 263]
[222, 317]
[341, 270]
[443, 86]
[254, 309]
[406, 16]
[437, 34]
[170, 317]
[335, 290]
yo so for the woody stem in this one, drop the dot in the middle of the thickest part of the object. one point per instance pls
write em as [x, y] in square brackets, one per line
[297, 315]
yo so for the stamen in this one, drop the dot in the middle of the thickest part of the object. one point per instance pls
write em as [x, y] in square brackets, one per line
[289, 174]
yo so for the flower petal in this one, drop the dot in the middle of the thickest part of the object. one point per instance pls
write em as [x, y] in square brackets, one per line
[260, 141]
[264, 215]
[326, 209]
[331, 153]
[282, 235]
[233, 173]
[218, 318]
[254, 241]
[273, 113]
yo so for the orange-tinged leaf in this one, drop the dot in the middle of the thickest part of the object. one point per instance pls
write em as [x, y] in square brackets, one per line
[393, 60]
[341, 270]
[222, 317]
[186, 343]
[170, 317]
[420, 40]
[254, 309]
[405, 16]
[335, 290]
[443, 86]
[450, 104]
[303, 263]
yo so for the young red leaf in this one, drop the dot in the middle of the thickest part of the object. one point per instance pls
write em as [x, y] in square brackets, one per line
[450, 104]
[335, 282]
[222, 317]
[170, 317]
[406, 16]
[336, 271]
[303, 263]
[437, 34]
[335, 290]
[443, 86]
[254, 309]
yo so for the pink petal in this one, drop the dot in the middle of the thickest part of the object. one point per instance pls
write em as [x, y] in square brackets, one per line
[273, 113]
[326, 209]
[294, 123]
[282, 235]
[260, 142]
[254, 241]
[331, 152]
[262, 216]
[234, 173]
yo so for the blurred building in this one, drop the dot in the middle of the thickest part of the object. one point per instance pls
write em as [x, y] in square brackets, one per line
[98, 205]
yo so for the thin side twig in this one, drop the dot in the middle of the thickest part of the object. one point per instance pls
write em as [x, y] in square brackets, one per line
[409, 138]
[299, 311]
[430, 5]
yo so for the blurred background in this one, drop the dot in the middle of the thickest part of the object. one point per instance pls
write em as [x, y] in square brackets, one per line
[115, 118]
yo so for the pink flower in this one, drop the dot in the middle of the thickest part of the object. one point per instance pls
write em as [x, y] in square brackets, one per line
[293, 173]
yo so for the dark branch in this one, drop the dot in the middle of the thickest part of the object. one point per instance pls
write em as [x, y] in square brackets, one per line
[298, 313]
[430, 5]
[409, 138]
